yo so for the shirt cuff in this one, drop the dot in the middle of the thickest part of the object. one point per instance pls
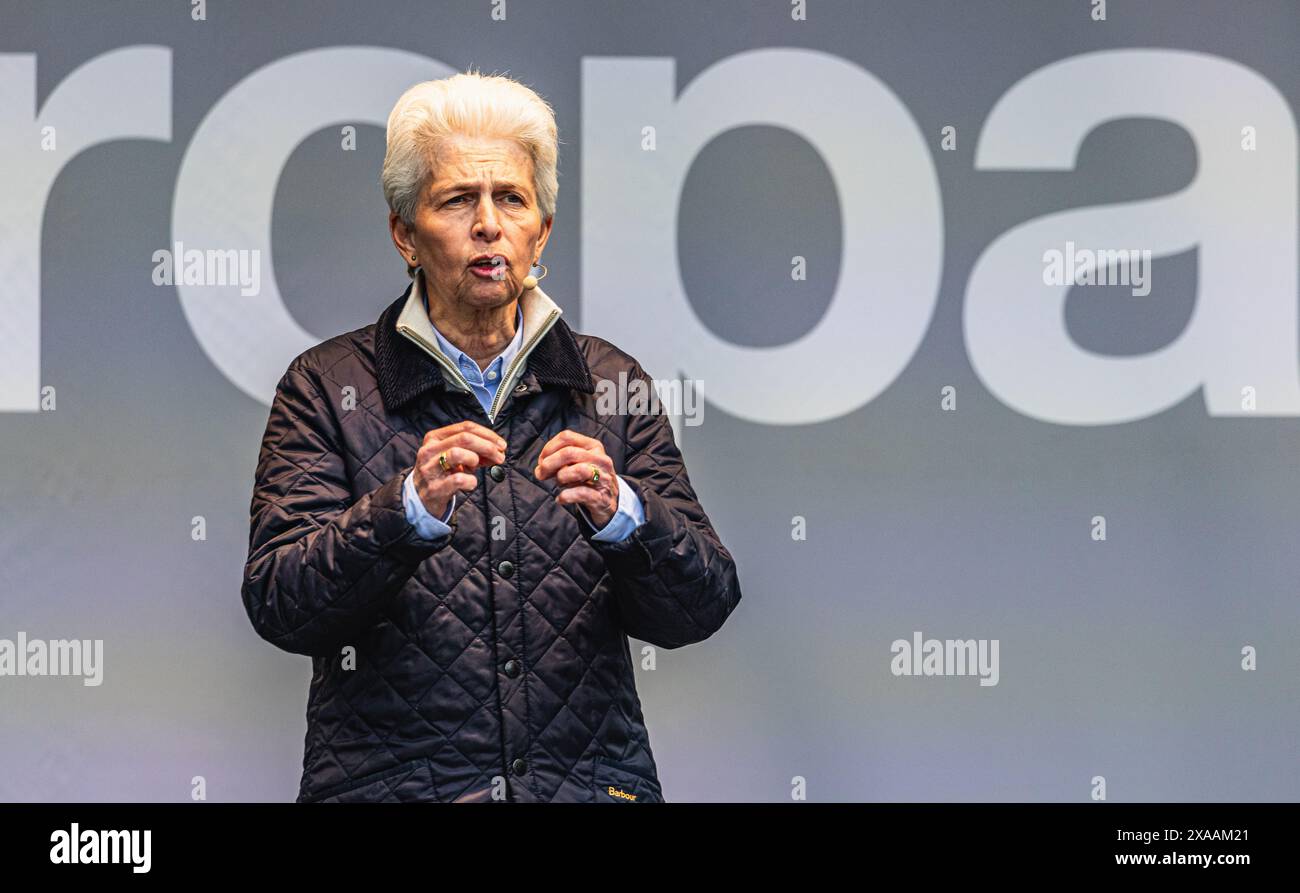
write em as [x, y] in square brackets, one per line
[630, 516]
[426, 525]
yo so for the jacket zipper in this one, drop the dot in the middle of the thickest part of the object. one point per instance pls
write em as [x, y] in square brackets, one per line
[506, 383]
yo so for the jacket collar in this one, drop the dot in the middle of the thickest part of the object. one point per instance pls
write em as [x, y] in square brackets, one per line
[404, 371]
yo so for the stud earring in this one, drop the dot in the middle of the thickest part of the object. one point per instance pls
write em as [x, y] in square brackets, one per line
[530, 281]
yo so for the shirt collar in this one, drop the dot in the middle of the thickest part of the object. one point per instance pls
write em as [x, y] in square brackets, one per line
[408, 362]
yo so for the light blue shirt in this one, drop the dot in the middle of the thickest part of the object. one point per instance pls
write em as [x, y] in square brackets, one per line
[484, 383]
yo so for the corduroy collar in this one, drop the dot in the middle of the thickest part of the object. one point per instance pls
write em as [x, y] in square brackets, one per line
[405, 372]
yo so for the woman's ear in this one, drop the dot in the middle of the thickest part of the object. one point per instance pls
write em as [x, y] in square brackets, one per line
[546, 234]
[403, 242]
[401, 234]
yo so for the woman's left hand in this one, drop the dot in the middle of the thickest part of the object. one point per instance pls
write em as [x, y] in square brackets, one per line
[573, 459]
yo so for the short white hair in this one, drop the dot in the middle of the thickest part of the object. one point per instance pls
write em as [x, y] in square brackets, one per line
[469, 104]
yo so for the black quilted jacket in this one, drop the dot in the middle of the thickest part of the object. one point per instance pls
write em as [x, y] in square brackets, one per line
[474, 667]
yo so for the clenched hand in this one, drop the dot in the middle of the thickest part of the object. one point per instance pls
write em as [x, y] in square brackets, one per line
[467, 445]
[573, 459]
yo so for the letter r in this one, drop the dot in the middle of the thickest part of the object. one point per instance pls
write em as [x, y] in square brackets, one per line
[122, 94]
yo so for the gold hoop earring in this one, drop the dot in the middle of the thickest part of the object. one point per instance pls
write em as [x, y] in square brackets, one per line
[530, 281]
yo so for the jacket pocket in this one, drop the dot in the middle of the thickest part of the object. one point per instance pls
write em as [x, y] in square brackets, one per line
[409, 782]
[616, 783]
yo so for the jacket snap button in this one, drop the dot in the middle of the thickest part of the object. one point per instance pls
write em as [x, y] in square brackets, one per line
[506, 569]
[498, 473]
[518, 767]
[512, 668]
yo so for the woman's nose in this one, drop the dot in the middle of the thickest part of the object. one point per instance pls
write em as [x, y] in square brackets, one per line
[487, 222]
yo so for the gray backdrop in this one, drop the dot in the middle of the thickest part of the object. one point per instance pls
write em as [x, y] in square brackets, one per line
[1120, 659]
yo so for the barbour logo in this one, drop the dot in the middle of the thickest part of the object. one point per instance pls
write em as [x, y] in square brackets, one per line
[615, 792]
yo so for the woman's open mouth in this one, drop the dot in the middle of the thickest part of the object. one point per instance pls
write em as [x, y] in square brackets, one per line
[490, 267]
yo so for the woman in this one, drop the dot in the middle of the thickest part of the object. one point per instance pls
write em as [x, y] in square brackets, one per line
[446, 524]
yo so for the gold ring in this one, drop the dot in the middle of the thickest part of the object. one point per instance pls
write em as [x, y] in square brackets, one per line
[595, 475]
[442, 460]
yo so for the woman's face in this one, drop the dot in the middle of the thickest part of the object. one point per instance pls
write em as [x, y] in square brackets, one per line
[480, 201]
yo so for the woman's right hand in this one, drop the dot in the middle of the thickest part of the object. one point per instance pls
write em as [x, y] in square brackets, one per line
[467, 445]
